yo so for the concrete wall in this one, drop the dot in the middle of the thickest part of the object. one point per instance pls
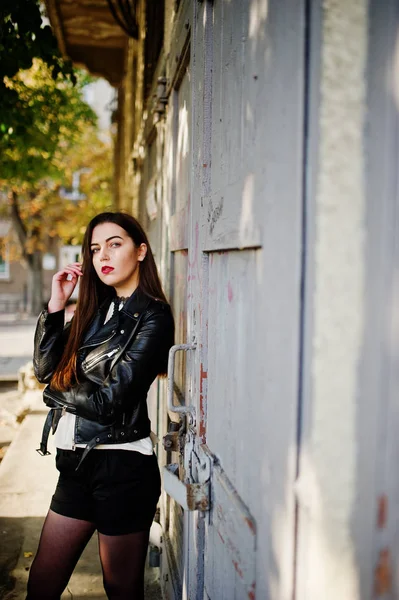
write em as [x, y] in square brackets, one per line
[341, 491]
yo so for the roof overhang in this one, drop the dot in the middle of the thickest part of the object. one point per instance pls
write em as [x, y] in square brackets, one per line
[88, 34]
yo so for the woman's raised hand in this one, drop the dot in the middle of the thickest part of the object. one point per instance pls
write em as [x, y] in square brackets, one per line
[62, 286]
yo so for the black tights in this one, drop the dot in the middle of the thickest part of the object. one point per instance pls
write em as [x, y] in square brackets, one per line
[62, 542]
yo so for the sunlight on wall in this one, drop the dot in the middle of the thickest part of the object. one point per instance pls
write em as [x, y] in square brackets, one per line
[183, 138]
[329, 448]
[247, 209]
[257, 16]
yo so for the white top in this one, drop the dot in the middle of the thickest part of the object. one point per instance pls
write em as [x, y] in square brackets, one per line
[64, 435]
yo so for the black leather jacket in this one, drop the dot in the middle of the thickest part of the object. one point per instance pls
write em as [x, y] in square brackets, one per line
[117, 362]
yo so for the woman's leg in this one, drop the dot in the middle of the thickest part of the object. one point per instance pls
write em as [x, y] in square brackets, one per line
[123, 561]
[61, 543]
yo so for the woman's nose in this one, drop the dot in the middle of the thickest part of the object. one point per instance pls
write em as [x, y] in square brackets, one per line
[104, 254]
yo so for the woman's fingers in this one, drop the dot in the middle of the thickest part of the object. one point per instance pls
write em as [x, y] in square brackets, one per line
[73, 269]
[63, 285]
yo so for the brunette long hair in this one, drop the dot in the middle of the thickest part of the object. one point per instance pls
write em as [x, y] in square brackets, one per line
[93, 292]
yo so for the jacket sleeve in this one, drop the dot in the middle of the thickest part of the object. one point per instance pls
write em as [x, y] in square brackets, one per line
[130, 377]
[50, 336]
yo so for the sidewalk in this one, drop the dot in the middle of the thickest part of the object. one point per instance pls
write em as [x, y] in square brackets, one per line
[16, 344]
[27, 482]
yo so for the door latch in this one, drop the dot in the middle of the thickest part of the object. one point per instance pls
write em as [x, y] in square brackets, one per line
[190, 410]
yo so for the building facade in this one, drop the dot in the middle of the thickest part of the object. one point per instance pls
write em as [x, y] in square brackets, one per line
[257, 144]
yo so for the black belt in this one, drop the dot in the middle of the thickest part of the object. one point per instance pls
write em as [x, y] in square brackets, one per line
[51, 422]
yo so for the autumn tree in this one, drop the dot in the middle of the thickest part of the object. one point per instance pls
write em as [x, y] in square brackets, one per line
[24, 36]
[34, 153]
[67, 219]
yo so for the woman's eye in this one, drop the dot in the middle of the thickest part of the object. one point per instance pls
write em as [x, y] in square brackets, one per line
[115, 245]
[94, 250]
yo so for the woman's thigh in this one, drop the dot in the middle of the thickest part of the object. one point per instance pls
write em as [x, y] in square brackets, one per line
[123, 562]
[62, 541]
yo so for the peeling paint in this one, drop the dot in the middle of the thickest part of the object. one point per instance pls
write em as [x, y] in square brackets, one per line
[214, 213]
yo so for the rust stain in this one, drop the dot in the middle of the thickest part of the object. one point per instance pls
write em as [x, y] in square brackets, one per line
[197, 497]
[219, 512]
[237, 568]
[251, 525]
[229, 292]
[202, 402]
[219, 534]
[382, 511]
[383, 574]
[251, 593]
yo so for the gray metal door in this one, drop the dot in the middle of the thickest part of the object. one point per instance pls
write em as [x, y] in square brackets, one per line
[177, 162]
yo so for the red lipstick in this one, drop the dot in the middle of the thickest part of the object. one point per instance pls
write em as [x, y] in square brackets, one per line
[107, 270]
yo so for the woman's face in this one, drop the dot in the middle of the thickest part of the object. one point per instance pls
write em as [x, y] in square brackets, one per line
[115, 257]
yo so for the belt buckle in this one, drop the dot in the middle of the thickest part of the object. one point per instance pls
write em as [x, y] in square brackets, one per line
[40, 451]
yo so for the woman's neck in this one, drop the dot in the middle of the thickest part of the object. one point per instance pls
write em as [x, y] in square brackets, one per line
[125, 292]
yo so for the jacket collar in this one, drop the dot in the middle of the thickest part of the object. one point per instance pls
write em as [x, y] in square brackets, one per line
[98, 331]
[136, 304]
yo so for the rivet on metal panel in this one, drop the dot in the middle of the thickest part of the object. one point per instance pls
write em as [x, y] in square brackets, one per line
[382, 514]
[383, 574]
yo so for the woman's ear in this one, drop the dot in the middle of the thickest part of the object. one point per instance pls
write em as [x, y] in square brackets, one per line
[142, 251]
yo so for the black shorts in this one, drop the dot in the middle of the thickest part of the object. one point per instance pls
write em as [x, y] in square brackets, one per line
[116, 490]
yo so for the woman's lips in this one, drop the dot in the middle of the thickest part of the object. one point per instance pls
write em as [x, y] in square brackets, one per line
[106, 270]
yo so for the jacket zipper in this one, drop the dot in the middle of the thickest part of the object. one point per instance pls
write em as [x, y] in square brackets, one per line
[60, 403]
[99, 342]
[97, 359]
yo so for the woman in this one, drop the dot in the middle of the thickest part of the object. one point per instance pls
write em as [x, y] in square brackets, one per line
[98, 369]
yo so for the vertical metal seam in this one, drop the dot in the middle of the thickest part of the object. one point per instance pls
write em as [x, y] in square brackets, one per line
[302, 289]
